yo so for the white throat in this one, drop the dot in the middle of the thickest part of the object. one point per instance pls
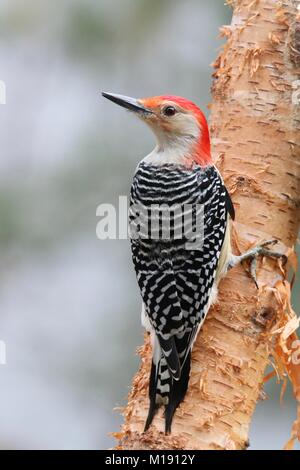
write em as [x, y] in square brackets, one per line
[178, 153]
[174, 148]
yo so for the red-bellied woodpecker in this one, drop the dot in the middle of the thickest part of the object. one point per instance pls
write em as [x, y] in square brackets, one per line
[178, 275]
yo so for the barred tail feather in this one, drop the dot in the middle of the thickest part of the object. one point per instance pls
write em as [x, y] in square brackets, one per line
[164, 390]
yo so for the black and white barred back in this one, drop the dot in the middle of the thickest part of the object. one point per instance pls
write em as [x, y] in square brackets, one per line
[176, 281]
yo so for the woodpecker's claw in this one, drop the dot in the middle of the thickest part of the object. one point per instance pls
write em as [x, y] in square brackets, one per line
[269, 243]
[253, 267]
[254, 253]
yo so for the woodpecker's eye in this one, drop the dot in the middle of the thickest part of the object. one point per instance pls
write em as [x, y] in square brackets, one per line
[169, 111]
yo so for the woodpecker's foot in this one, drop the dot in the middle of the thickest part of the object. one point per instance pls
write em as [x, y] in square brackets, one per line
[253, 254]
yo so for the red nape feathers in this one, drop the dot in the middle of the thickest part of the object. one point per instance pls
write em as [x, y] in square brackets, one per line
[202, 150]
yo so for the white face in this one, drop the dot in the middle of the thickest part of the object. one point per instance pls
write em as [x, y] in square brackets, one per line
[176, 130]
[171, 122]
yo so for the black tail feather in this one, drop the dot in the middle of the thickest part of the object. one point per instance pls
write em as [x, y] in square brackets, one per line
[177, 393]
[152, 411]
[152, 395]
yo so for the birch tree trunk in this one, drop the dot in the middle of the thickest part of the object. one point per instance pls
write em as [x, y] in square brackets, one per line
[255, 128]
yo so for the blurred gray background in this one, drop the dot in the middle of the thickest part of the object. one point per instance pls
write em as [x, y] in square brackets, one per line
[69, 304]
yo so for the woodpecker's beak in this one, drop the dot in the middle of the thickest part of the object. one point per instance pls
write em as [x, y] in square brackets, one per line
[129, 103]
